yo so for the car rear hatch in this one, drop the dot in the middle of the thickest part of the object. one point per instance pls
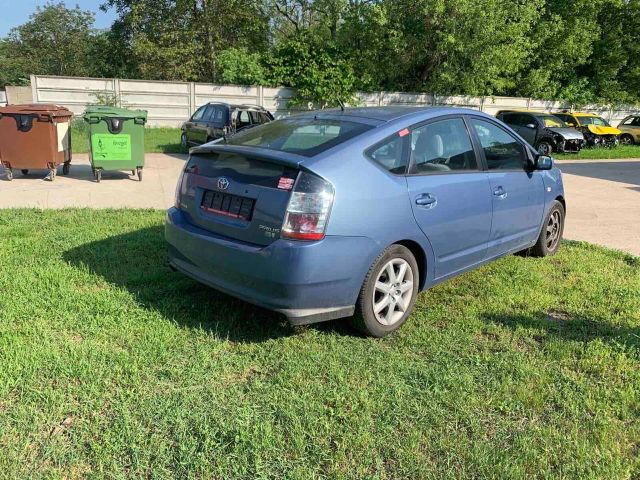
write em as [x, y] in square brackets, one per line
[238, 192]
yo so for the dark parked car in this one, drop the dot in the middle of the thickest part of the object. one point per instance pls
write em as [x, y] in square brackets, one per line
[215, 120]
[326, 214]
[546, 132]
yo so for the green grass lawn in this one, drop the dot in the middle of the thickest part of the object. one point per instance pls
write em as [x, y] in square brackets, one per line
[598, 153]
[113, 366]
[156, 140]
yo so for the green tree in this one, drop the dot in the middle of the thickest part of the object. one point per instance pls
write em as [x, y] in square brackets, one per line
[55, 41]
[319, 72]
[238, 66]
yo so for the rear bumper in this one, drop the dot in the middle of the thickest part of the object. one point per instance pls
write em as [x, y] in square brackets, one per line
[308, 282]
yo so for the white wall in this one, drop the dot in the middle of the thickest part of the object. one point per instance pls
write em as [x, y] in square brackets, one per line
[171, 103]
[3, 98]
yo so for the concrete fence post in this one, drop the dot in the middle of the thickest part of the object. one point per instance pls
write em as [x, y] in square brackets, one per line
[482, 100]
[116, 92]
[34, 88]
[192, 98]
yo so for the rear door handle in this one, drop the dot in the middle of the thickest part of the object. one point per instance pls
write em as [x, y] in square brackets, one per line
[426, 200]
[500, 192]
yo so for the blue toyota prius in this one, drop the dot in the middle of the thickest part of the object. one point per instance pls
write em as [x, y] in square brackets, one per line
[352, 213]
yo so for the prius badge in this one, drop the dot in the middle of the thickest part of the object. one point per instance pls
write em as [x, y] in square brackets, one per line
[223, 183]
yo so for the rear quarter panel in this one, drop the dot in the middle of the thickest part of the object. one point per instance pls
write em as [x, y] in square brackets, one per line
[370, 202]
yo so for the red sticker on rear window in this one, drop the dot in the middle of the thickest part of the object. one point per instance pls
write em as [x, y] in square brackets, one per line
[285, 183]
[404, 132]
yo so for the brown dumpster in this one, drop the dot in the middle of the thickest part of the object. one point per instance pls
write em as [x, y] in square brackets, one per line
[35, 137]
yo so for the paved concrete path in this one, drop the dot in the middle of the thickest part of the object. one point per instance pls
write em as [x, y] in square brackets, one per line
[603, 202]
[79, 189]
[603, 196]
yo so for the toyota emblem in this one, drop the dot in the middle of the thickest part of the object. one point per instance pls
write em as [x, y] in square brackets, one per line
[223, 183]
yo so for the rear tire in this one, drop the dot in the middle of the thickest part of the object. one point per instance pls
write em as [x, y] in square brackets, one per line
[183, 141]
[388, 294]
[551, 234]
[9, 174]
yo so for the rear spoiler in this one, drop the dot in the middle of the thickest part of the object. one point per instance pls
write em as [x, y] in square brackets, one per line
[273, 156]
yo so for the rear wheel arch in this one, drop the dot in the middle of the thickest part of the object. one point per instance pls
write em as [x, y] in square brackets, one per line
[421, 259]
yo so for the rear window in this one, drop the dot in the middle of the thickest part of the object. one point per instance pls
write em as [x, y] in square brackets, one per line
[308, 136]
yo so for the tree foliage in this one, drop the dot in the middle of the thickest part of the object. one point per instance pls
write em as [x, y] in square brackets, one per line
[578, 50]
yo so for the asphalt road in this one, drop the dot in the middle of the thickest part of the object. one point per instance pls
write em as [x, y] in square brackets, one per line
[603, 196]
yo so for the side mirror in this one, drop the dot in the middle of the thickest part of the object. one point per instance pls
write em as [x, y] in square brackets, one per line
[531, 126]
[544, 162]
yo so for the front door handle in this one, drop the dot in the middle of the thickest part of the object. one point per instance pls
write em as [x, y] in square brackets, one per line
[426, 200]
[500, 192]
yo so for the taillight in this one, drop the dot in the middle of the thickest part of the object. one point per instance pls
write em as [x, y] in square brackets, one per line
[309, 207]
[176, 201]
[184, 189]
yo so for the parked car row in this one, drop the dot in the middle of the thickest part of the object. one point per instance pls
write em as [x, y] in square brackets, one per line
[570, 131]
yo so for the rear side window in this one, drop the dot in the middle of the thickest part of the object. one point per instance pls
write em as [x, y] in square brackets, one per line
[502, 151]
[304, 136]
[442, 147]
[390, 155]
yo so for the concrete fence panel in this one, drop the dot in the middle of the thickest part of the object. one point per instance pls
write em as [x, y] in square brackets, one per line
[3, 98]
[171, 103]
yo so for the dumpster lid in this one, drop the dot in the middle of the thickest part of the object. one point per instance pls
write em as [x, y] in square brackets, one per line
[97, 111]
[41, 109]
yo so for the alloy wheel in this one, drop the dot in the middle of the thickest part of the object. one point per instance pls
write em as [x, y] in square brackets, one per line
[393, 291]
[553, 230]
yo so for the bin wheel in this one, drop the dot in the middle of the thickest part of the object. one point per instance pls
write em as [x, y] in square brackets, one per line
[139, 174]
[98, 174]
[52, 174]
[65, 168]
[25, 171]
[133, 172]
[9, 174]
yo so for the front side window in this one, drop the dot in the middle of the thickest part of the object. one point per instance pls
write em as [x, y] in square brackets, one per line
[636, 122]
[243, 119]
[390, 155]
[304, 136]
[442, 146]
[502, 151]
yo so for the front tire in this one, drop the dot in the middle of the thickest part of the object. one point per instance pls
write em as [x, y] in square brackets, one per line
[389, 292]
[551, 234]
[626, 140]
[545, 148]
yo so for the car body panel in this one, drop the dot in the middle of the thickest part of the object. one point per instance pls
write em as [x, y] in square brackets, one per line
[373, 209]
[568, 133]
[631, 126]
[593, 134]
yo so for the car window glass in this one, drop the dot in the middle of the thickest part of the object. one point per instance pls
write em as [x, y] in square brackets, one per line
[199, 113]
[304, 136]
[636, 122]
[217, 114]
[390, 155]
[257, 118]
[551, 121]
[441, 147]
[208, 113]
[243, 119]
[265, 118]
[629, 121]
[502, 151]
[513, 119]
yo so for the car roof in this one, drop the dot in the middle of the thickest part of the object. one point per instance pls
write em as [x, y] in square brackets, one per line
[530, 112]
[236, 105]
[578, 114]
[381, 115]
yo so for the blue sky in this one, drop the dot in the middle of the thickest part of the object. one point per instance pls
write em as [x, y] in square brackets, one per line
[16, 12]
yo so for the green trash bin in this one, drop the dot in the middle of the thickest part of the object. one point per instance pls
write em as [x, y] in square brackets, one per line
[116, 139]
